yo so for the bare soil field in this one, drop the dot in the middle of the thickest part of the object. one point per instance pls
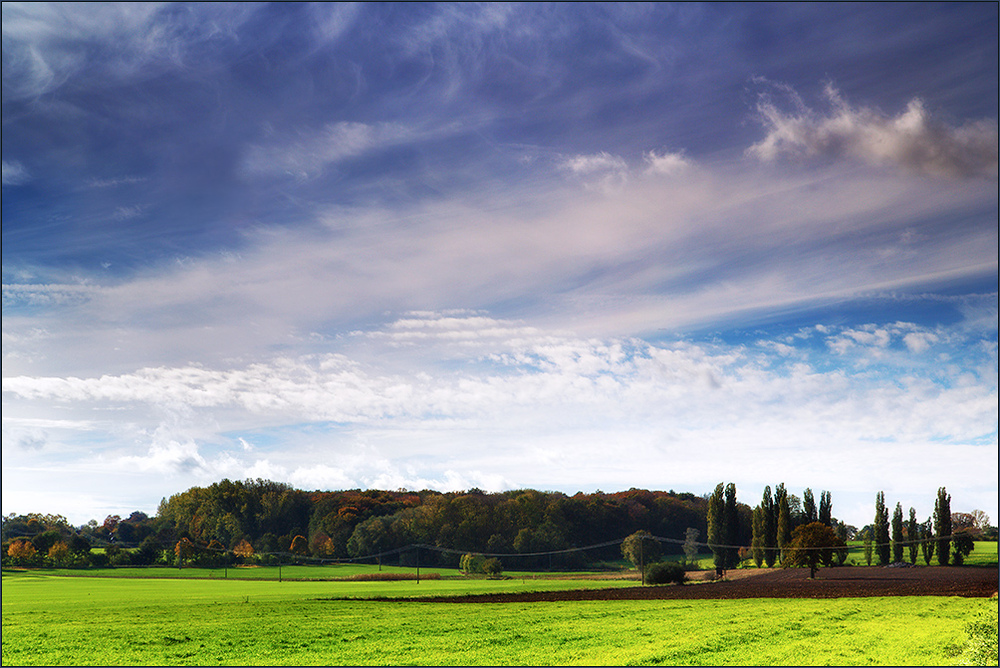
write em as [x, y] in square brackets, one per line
[781, 583]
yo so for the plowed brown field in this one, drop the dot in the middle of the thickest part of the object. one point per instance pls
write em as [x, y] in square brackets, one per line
[780, 583]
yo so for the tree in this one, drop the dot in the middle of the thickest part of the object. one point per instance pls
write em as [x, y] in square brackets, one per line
[299, 546]
[963, 545]
[59, 553]
[866, 539]
[732, 527]
[913, 535]
[784, 520]
[716, 526]
[881, 528]
[770, 528]
[691, 544]
[841, 553]
[492, 567]
[927, 542]
[640, 548]
[757, 542]
[472, 563]
[22, 552]
[825, 508]
[243, 550]
[981, 521]
[809, 513]
[897, 533]
[942, 525]
[184, 550]
[812, 544]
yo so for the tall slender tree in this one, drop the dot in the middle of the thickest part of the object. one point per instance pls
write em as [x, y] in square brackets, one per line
[913, 536]
[825, 508]
[881, 527]
[732, 530]
[897, 533]
[784, 523]
[717, 527]
[757, 542]
[942, 526]
[927, 543]
[809, 514]
[770, 528]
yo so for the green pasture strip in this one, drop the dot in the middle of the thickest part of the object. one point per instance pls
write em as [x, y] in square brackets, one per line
[296, 572]
[984, 554]
[84, 621]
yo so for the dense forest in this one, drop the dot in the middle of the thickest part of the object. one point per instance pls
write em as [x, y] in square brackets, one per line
[268, 516]
[537, 529]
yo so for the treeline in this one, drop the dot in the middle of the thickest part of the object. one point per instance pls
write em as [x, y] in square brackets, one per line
[232, 520]
[951, 535]
[264, 517]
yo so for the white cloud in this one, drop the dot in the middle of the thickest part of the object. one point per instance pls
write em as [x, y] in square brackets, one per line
[530, 407]
[305, 155]
[47, 44]
[667, 164]
[601, 171]
[912, 140]
[46, 294]
[14, 173]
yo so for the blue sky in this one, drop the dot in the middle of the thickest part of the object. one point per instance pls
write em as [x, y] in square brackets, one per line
[568, 247]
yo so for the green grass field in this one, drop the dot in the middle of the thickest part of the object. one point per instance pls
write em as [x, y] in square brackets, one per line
[57, 620]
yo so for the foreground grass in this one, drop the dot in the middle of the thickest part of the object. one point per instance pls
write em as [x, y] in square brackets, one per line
[106, 621]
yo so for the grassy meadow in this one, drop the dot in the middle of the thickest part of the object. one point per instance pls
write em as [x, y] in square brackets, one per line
[51, 619]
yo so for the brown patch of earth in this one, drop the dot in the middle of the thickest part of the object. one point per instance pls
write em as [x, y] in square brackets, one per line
[778, 583]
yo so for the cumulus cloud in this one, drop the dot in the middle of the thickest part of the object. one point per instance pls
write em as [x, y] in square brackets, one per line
[913, 140]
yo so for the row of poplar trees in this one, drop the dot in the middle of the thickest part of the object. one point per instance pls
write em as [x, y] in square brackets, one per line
[773, 522]
[912, 536]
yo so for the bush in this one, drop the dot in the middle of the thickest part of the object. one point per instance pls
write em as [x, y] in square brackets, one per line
[664, 572]
[981, 649]
[492, 567]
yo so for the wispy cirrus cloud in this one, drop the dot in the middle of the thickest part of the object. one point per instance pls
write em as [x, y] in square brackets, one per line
[15, 173]
[306, 154]
[913, 140]
[47, 44]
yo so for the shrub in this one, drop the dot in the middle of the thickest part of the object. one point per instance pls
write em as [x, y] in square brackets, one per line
[664, 572]
[981, 648]
[492, 567]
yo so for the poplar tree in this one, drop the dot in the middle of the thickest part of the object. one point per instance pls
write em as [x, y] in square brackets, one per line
[757, 542]
[881, 527]
[927, 543]
[942, 526]
[809, 507]
[897, 534]
[732, 527]
[770, 528]
[716, 527]
[825, 508]
[784, 522]
[913, 535]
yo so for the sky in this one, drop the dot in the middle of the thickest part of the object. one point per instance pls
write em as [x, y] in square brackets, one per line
[568, 247]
